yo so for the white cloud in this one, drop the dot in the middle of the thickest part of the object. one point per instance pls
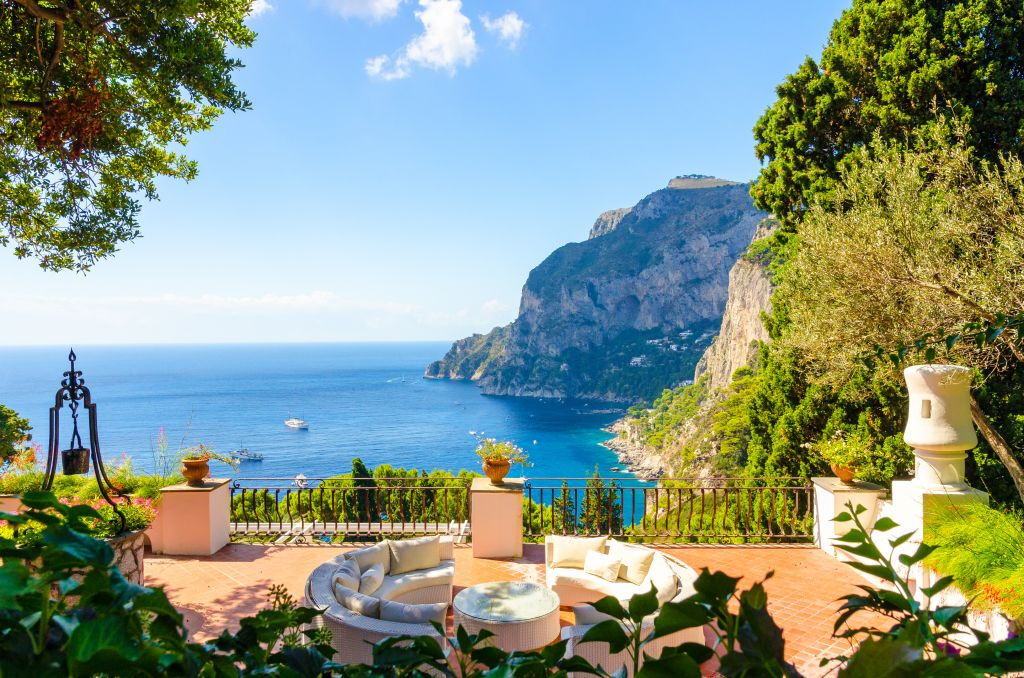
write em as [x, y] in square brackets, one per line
[260, 7]
[508, 26]
[370, 10]
[447, 41]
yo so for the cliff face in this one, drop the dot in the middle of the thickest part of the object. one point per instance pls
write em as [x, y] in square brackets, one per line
[750, 293]
[607, 222]
[624, 314]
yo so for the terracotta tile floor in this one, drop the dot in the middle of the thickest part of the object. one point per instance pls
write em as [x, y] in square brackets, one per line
[214, 592]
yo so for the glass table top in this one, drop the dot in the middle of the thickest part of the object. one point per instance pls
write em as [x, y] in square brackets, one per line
[506, 601]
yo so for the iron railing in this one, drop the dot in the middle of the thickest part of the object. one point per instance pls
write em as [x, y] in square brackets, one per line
[672, 510]
[304, 509]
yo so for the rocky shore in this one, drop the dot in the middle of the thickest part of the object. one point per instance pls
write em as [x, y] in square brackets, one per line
[634, 456]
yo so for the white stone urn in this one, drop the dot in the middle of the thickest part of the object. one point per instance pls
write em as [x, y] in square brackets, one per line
[939, 425]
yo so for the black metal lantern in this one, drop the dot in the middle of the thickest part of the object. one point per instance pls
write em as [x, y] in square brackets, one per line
[75, 459]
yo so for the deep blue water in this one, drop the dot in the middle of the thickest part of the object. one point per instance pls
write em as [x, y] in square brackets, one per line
[365, 400]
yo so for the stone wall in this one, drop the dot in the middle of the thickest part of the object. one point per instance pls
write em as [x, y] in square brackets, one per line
[129, 555]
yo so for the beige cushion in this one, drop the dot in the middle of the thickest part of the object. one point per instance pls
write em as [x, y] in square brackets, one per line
[414, 554]
[636, 560]
[413, 613]
[572, 551]
[399, 585]
[663, 578]
[370, 580]
[572, 578]
[347, 574]
[602, 565]
[373, 555]
[367, 606]
[587, 615]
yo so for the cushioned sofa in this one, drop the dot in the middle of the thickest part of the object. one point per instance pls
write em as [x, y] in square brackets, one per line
[387, 589]
[582, 570]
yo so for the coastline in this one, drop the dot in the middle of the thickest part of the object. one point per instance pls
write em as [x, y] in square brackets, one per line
[634, 456]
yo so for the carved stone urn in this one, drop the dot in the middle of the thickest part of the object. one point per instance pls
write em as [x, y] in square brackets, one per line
[939, 425]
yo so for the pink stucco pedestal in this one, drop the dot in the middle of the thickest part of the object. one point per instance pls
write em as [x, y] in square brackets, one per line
[496, 514]
[193, 521]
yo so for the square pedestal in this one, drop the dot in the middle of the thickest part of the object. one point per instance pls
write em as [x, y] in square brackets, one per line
[831, 497]
[192, 521]
[496, 514]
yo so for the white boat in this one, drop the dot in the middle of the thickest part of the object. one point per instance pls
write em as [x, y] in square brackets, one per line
[296, 423]
[245, 455]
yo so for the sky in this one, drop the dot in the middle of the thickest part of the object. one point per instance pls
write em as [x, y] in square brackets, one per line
[406, 163]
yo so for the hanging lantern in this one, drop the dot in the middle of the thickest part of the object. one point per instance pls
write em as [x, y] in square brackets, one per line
[75, 460]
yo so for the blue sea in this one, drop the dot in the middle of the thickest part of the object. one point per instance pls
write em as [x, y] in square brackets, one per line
[360, 400]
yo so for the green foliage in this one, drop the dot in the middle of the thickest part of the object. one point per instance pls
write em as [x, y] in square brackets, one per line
[65, 609]
[895, 68]
[668, 412]
[95, 99]
[84, 487]
[601, 508]
[14, 434]
[922, 641]
[983, 550]
[731, 423]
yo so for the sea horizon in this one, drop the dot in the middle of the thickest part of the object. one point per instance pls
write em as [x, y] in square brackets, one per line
[361, 399]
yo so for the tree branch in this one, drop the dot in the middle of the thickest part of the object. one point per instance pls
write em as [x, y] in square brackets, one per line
[58, 45]
[22, 105]
[35, 9]
[999, 445]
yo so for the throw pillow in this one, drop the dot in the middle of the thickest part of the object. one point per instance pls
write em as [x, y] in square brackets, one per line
[587, 615]
[664, 579]
[572, 551]
[347, 574]
[367, 606]
[413, 613]
[373, 555]
[415, 554]
[636, 561]
[602, 565]
[371, 579]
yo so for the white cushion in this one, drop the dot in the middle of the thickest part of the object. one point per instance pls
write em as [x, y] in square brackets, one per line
[572, 551]
[369, 556]
[370, 580]
[586, 615]
[347, 574]
[571, 577]
[414, 554]
[419, 613]
[636, 560]
[367, 606]
[602, 565]
[663, 578]
[394, 586]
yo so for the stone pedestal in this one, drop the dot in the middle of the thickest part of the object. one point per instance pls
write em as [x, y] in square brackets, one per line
[831, 497]
[496, 514]
[192, 521]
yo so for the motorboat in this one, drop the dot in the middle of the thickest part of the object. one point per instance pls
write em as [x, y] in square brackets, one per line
[245, 455]
[296, 423]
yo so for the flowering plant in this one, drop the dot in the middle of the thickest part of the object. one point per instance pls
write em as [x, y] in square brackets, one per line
[202, 452]
[493, 451]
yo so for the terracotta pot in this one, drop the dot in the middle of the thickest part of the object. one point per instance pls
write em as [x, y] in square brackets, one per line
[845, 474]
[496, 470]
[194, 471]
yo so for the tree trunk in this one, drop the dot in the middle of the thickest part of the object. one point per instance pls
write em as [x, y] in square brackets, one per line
[999, 446]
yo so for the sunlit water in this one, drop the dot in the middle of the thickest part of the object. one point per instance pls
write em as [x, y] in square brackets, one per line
[365, 400]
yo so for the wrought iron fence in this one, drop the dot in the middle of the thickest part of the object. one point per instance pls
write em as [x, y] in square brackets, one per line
[304, 509]
[672, 510]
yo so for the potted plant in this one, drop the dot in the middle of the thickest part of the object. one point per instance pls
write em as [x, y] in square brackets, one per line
[845, 453]
[195, 463]
[498, 458]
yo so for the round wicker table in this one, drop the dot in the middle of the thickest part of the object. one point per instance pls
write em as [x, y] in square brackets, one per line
[522, 616]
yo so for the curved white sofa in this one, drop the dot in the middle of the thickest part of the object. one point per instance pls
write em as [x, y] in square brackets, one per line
[672, 578]
[354, 634]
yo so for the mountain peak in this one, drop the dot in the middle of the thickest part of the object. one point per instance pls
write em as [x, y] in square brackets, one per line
[699, 181]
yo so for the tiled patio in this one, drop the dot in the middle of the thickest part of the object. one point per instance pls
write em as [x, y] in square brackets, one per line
[214, 592]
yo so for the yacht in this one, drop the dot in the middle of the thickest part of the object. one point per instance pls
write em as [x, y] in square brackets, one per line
[245, 455]
[296, 423]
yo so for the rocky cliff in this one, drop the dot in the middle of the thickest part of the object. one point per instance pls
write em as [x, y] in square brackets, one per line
[626, 313]
[734, 347]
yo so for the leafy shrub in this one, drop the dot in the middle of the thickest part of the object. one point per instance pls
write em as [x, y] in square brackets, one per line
[983, 549]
